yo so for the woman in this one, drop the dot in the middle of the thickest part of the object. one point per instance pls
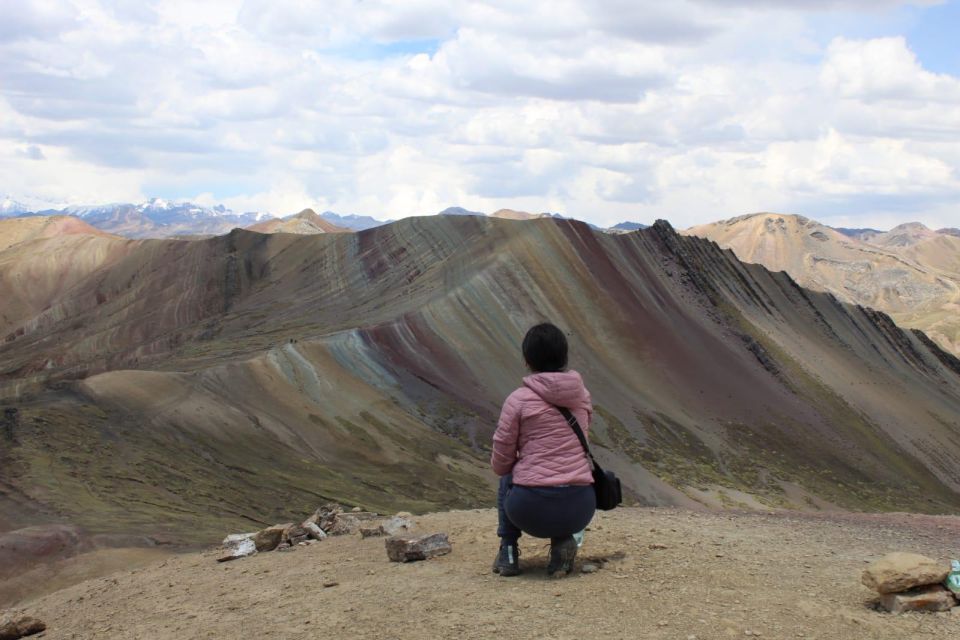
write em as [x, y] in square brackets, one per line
[545, 484]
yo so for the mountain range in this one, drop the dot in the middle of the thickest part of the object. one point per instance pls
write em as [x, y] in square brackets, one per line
[187, 388]
[910, 272]
[159, 218]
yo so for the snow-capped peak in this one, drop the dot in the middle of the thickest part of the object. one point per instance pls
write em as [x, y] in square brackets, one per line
[9, 206]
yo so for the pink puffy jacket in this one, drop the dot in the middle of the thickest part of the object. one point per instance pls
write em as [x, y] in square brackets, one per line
[534, 441]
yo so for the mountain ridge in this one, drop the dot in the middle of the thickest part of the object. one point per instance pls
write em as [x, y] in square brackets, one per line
[911, 272]
[242, 378]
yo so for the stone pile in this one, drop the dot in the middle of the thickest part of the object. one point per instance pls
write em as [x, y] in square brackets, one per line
[909, 582]
[329, 520]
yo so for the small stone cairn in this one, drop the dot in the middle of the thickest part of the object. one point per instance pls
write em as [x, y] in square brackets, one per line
[909, 582]
[329, 520]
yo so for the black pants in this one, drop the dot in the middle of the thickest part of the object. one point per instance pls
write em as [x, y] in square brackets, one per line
[542, 512]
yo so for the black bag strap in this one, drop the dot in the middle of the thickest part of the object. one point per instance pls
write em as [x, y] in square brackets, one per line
[572, 421]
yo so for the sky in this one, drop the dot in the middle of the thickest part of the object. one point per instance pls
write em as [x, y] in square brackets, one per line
[846, 111]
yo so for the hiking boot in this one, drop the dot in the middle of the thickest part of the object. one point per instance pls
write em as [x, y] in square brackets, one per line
[563, 551]
[508, 560]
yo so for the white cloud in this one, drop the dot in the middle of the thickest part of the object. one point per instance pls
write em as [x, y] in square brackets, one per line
[883, 69]
[604, 110]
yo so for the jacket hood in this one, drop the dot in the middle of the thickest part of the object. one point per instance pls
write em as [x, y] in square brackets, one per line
[560, 388]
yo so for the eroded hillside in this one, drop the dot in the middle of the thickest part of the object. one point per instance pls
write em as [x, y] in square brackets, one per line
[194, 387]
[910, 272]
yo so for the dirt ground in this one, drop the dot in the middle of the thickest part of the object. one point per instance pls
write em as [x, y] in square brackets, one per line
[720, 575]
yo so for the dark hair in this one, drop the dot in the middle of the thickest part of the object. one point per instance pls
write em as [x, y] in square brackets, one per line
[545, 348]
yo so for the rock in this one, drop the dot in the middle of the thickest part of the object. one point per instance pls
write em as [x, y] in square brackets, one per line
[403, 549]
[237, 549]
[325, 515]
[372, 532]
[12, 629]
[658, 546]
[237, 537]
[589, 567]
[285, 546]
[397, 525]
[268, 539]
[314, 531]
[331, 518]
[349, 523]
[295, 534]
[928, 598]
[356, 510]
[330, 583]
[896, 572]
[343, 524]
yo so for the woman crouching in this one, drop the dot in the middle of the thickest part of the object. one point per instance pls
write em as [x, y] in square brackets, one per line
[545, 484]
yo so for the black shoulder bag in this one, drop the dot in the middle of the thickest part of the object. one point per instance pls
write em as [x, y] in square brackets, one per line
[605, 484]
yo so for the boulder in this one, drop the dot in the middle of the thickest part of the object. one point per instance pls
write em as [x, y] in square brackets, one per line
[268, 539]
[896, 572]
[313, 530]
[344, 524]
[372, 532]
[928, 598]
[235, 549]
[295, 534]
[332, 519]
[326, 515]
[397, 525]
[12, 629]
[404, 549]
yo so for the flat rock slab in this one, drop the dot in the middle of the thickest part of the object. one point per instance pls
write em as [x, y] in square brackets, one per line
[237, 549]
[929, 598]
[12, 629]
[896, 572]
[405, 549]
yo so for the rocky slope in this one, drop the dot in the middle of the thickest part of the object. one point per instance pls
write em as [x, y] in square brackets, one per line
[26, 229]
[665, 573]
[181, 389]
[909, 272]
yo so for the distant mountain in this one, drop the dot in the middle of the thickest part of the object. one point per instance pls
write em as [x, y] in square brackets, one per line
[16, 207]
[628, 226]
[909, 272]
[352, 221]
[25, 229]
[860, 234]
[460, 211]
[511, 214]
[156, 218]
[307, 222]
[10, 207]
[904, 235]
